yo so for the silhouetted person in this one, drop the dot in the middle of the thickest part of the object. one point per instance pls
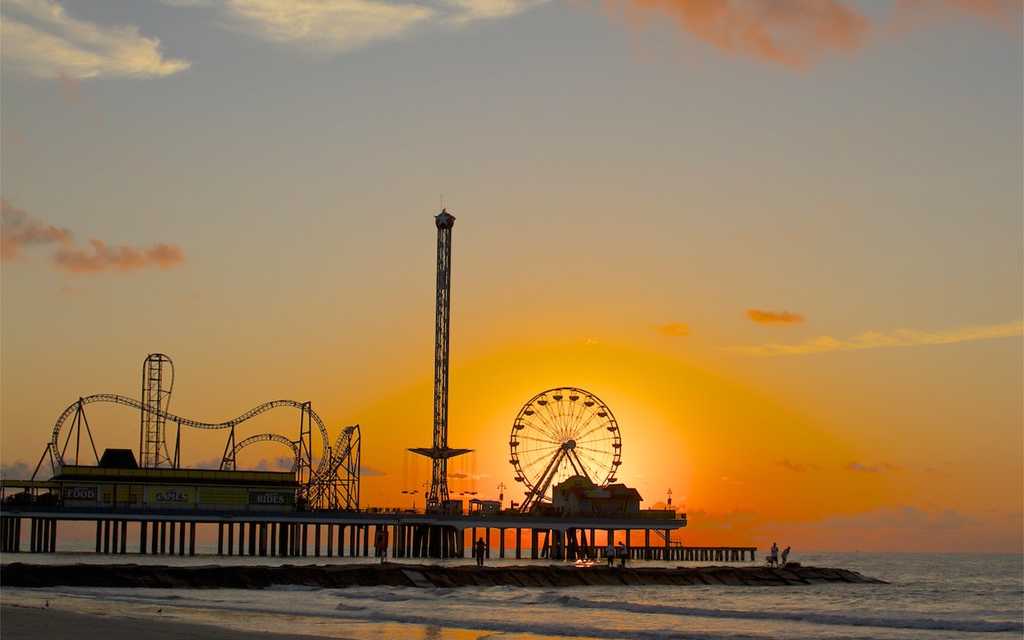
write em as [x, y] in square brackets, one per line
[480, 550]
[609, 553]
[380, 544]
[620, 551]
[785, 556]
[773, 555]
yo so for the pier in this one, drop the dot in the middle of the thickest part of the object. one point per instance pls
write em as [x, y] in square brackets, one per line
[35, 529]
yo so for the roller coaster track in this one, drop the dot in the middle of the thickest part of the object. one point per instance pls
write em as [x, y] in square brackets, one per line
[323, 467]
[268, 437]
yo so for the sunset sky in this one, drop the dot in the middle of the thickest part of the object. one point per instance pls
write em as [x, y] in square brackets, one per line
[782, 241]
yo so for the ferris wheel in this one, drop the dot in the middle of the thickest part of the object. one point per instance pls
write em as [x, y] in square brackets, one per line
[560, 433]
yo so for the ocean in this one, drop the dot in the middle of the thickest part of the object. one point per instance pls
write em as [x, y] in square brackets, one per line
[930, 596]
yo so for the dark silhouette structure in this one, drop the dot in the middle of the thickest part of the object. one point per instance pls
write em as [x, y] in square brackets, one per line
[439, 453]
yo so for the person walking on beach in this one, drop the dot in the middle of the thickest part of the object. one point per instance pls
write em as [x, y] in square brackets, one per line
[609, 553]
[785, 556]
[620, 551]
[480, 550]
[773, 555]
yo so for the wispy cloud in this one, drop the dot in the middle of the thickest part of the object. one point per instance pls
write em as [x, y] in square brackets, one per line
[673, 329]
[370, 472]
[797, 467]
[41, 39]
[101, 257]
[763, 316]
[860, 467]
[327, 25]
[19, 231]
[792, 33]
[337, 26]
[883, 340]
[799, 34]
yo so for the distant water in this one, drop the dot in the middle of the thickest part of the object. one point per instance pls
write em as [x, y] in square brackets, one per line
[931, 596]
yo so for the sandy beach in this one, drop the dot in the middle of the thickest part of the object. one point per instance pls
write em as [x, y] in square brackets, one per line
[18, 623]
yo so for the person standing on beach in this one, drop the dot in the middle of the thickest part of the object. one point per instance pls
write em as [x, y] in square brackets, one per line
[609, 553]
[620, 551]
[480, 551]
[381, 543]
[785, 556]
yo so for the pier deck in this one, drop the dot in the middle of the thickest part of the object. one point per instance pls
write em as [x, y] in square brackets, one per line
[328, 534]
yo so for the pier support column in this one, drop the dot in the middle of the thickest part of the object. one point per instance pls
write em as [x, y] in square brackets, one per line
[252, 538]
[231, 538]
[305, 539]
[519, 543]
[316, 540]
[170, 538]
[155, 536]
[533, 543]
[33, 526]
[501, 543]
[330, 540]
[99, 536]
[668, 543]
[192, 538]
[366, 540]
[124, 537]
[220, 538]
[341, 541]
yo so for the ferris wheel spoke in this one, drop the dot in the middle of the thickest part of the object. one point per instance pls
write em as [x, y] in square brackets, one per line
[599, 425]
[535, 439]
[542, 428]
[545, 424]
[597, 445]
[535, 449]
[598, 472]
[593, 414]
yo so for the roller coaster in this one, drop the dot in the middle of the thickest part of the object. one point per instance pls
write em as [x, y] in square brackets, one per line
[333, 483]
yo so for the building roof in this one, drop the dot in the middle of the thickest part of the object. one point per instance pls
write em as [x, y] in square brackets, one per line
[175, 476]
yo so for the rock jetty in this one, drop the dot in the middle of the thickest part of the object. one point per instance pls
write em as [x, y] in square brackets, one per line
[410, 575]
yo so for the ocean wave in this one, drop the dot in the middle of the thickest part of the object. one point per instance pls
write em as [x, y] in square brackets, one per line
[847, 620]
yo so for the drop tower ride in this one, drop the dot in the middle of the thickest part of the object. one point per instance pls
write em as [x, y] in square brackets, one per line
[439, 453]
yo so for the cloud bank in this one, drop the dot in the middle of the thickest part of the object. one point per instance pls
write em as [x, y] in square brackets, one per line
[42, 40]
[20, 231]
[761, 316]
[883, 340]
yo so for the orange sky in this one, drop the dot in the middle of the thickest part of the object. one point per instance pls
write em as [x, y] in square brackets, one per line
[781, 241]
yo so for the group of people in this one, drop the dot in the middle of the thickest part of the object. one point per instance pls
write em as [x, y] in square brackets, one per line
[773, 556]
[618, 551]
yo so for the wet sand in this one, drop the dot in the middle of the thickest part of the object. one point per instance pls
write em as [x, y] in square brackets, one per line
[24, 623]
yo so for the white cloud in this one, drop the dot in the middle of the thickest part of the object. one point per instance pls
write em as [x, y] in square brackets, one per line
[42, 40]
[881, 340]
[337, 26]
[471, 10]
[328, 25]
